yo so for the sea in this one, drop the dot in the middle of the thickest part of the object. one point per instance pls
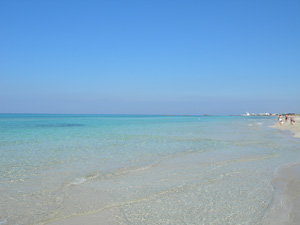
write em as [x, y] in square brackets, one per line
[140, 169]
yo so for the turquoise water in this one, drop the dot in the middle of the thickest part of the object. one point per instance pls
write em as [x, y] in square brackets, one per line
[144, 169]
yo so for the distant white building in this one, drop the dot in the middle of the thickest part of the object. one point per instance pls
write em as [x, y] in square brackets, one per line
[257, 114]
[247, 114]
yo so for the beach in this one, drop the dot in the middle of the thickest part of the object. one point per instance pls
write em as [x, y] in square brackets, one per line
[295, 128]
[149, 112]
[286, 183]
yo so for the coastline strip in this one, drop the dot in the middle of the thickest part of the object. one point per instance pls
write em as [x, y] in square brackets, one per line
[295, 128]
[286, 183]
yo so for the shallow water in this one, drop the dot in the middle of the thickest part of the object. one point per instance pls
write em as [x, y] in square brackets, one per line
[144, 169]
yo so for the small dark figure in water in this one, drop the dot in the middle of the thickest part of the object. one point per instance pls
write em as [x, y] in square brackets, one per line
[286, 118]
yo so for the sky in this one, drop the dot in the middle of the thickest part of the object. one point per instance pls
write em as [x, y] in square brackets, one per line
[149, 56]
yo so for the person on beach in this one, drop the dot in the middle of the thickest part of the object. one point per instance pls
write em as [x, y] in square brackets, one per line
[280, 119]
[292, 120]
[286, 118]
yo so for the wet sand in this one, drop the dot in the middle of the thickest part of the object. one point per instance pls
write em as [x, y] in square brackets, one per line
[106, 216]
[286, 183]
[286, 203]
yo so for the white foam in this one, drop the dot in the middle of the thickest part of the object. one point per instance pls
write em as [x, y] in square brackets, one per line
[79, 180]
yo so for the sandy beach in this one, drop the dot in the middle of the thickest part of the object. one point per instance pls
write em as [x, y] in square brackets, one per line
[295, 128]
[286, 205]
[287, 186]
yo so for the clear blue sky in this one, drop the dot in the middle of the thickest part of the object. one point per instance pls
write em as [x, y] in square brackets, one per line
[149, 57]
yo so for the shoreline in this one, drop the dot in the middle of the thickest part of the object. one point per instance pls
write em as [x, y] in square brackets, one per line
[147, 170]
[295, 128]
[286, 183]
[286, 203]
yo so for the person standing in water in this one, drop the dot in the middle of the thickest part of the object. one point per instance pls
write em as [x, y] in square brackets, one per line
[280, 119]
[292, 119]
[286, 118]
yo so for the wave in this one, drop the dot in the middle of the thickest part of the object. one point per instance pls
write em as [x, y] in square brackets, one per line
[79, 180]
